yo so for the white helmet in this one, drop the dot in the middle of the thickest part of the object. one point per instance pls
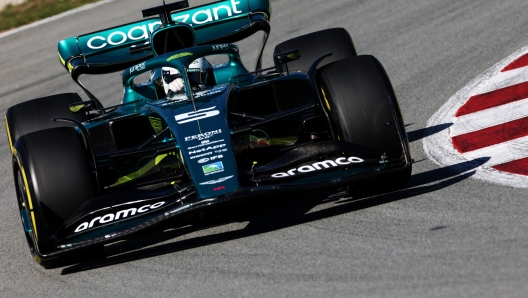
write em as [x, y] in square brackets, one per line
[169, 74]
[197, 71]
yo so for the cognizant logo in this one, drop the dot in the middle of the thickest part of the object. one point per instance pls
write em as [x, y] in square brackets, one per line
[110, 217]
[141, 32]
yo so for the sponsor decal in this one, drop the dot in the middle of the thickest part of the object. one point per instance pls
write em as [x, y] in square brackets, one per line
[122, 214]
[217, 157]
[141, 32]
[203, 136]
[208, 149]
[194, 116]
[320, 166]
[202, 155]
[175, 98]
[206, 143]
[207, 93]
[143, 84]
[220, 65]
[217, 181]
[219, 188]
[220, 47]
[204, 160]
[177, 56]
[208, 15]
[213, 168]
[138, 67]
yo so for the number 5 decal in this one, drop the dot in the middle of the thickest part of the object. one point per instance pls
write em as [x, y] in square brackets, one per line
[193, 116]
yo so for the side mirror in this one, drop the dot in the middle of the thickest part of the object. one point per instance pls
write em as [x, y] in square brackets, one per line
[83, 106]
[286, 57]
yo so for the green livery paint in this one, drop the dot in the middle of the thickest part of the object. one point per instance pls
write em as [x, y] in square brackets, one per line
[211, 22]
[227, 136]
[185, 123]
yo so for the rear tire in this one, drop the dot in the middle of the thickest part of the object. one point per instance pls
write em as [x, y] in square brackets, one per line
[361, 104]
[53, 180]
[316, 44]
[36, 114]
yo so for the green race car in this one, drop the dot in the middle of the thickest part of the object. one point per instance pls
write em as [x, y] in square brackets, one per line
[203, 132]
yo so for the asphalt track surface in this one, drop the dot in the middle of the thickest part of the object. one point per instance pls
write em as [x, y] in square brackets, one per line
[444, 235]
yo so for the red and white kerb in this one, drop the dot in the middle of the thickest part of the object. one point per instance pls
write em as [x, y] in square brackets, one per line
[488, 122]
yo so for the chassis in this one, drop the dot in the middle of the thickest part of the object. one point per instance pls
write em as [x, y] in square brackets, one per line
[87, 175]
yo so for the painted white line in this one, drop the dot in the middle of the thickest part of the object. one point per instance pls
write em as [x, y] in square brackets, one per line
[438, 146]
[503, 80]
[56, 17]
[489, 117]
[501, 153]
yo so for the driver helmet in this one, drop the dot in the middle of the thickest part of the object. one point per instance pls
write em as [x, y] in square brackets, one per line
[197, 73]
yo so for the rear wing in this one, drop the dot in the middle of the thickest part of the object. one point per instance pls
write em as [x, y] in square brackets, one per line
[108, 50]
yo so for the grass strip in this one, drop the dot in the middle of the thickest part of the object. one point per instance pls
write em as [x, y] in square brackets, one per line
[13, 16]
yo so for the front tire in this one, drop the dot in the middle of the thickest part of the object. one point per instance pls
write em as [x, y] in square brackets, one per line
[362, 106]
[53, 180]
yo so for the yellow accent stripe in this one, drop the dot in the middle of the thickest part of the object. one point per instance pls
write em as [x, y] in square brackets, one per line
[76, 108]
[34, 225]
[295, 55]
[326, 100]
[180, 55]
[62, 60]
[141, 171]
[9, 136]
[37, 258]
[29, 199]
[13, 150]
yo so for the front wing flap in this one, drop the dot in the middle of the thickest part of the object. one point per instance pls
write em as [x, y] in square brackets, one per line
[175, 207]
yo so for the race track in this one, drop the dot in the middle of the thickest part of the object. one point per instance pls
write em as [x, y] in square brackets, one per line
[445, 235]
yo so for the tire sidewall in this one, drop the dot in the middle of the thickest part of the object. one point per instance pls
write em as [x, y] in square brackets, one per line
[29, 163]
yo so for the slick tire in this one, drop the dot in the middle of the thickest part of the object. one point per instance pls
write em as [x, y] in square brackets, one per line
[36, 114]
[361, 103]
[52, 180]
[316, 44]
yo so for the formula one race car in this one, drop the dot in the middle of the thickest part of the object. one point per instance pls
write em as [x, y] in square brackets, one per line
[203, 132]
